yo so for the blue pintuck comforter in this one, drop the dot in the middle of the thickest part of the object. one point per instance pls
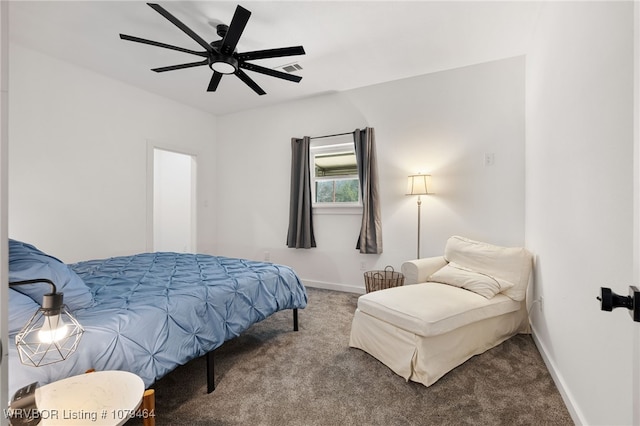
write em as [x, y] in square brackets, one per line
[155, 311]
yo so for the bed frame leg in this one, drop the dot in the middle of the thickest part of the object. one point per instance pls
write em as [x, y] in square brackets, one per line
[211, 385]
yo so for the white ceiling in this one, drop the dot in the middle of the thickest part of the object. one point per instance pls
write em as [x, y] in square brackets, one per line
[348, 44]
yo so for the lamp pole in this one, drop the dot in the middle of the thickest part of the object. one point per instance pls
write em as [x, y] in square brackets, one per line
[419, 204]
[419, 185]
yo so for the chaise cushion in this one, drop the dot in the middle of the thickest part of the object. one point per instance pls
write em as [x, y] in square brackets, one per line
[430, 309]
[483, 284]
[510, 264]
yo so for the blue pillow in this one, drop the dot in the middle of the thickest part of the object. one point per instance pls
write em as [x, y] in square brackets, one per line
[21, 309]
[27, 263]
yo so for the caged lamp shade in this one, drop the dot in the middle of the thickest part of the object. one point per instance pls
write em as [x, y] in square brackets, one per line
[51, 335]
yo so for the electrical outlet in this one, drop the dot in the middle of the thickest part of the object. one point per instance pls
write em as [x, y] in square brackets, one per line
[541, 303]
[489, 159]
[363, 266]
[267, 256]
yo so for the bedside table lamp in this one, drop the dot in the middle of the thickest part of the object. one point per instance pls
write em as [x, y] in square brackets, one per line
[419, 185]
[52, 333]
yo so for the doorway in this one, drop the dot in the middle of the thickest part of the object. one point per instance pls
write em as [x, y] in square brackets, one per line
[174, 201]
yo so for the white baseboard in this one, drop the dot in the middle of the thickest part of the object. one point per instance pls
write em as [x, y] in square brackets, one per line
[567, 397]
[333, 286]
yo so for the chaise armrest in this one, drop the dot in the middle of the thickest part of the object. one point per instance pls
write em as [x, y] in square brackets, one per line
[418, 270]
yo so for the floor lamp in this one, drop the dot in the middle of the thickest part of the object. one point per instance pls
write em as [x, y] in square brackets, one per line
[419, 185]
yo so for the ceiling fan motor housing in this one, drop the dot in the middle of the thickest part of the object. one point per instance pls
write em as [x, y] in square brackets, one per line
[221, 30]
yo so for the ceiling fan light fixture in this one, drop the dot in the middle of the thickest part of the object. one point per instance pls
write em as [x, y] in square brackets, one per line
[224, 64]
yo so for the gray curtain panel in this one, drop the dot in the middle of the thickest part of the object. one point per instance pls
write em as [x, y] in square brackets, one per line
[370, 239]
[300, 234]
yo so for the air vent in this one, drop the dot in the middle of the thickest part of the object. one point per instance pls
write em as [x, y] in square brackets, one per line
[292, 67]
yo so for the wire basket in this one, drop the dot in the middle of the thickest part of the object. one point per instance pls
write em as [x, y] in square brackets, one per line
[379, 280]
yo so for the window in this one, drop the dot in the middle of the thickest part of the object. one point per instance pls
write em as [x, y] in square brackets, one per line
[334, 176]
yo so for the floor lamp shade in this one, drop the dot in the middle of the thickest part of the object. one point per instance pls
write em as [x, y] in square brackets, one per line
[419, 185]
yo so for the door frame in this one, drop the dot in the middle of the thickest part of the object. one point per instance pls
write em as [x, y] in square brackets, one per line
[635, 368]
[152, 145]
[4, 206]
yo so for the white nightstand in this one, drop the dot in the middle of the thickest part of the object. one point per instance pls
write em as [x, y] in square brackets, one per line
[98, 398]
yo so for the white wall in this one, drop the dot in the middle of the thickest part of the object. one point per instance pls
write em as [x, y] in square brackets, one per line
[579, 198]
[441, 123]
[78, 158]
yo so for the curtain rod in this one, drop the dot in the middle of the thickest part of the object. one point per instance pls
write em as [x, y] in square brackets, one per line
[330, 136]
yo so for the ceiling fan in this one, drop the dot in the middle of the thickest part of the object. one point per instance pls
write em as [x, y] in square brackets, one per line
[221, 55]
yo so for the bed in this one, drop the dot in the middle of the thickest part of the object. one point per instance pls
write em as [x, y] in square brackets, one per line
[147, 313]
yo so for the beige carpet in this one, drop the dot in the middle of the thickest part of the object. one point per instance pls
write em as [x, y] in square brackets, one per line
[273, 376]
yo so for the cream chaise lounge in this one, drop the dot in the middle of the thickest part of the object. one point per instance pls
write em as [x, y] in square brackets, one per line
[460, 305]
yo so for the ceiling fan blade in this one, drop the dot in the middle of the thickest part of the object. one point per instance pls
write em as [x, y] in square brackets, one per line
[270, 72]
[175, 21]
[238, 22]
[158, 44]
[181, 66]
[249, 82]
[271, 53]
[215, 80]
